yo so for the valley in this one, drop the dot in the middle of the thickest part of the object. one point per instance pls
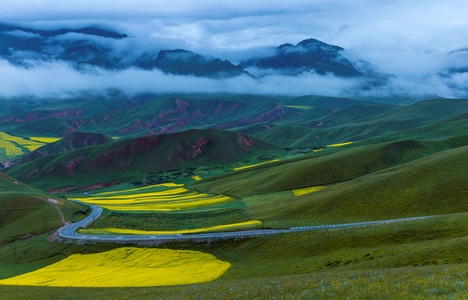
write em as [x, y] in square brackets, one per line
[261, 189]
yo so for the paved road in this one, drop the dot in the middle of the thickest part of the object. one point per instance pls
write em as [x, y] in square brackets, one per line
[70, 231]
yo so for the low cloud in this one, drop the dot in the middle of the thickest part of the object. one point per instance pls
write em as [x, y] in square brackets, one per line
[41, 79]
[410, 40]
[59, 78]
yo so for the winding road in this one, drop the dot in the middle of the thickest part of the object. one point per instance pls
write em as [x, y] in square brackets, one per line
[70, 231]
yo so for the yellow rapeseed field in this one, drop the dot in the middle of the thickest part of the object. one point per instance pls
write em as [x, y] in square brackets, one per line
[175, 197]
[44, 140]
[234, 226]
[14, 145]
[156, 205]
[307, 190]
[10, 144]
[255, 165]
[126, 267]
[340, 144]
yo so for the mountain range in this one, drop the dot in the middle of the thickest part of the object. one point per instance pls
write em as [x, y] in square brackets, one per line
[181, 161]
[93, 47]
[150, 134]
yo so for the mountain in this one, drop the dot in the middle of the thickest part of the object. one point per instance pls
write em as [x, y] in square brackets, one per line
[133, 159]
[93, 46]
[183, 62]
[116, 114]
[308, 55]
[22, 45]
[104, 48]
[293, 122]
[71, 142]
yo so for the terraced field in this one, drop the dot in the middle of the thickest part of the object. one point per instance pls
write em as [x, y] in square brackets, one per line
[167, 208]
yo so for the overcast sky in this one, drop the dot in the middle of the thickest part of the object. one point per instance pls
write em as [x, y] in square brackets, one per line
[410, 39]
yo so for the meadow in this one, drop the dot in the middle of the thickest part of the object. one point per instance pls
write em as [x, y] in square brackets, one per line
[403, 162]
[424, 259]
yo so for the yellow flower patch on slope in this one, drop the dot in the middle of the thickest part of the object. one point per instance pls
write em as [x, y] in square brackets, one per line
[234, 226]
[307, 190]
[255, 165]
[126, 267]
[158, 204]
[340, 144]
[45, 140]
[14, 145]
[175, 197]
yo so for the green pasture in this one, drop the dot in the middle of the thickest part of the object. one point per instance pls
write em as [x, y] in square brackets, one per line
[424, 258]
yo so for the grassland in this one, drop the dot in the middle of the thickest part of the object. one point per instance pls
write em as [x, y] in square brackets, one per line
[424, 259]
[26, 211]
[418, 170]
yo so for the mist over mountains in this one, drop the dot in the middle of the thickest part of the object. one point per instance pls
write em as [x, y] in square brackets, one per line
[64, 60]
[92, 46]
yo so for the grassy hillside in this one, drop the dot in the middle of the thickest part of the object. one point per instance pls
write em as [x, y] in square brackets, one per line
[71, 142]
[428, 186]
[320, 120]
[405, 161]
[26, 211]
[133, 159]
[321, 168]
[324, 121]
[426, 258]
[383, 181]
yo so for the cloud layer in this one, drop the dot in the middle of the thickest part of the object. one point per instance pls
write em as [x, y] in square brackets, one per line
[411, 40]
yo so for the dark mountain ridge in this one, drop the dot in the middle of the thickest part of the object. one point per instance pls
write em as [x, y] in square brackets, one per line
[310, 54]
[94, 46]
[91, 30]
[184, 62]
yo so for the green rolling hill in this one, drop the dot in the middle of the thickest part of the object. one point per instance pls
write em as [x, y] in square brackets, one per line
[26, 211]
[405, 161]
[132, 159]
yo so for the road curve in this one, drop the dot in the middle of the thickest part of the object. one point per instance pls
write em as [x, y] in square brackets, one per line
[70, 231]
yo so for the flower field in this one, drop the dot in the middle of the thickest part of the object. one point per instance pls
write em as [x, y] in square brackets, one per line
[167, 208]
[126, 267]
[340, 144]
[307, 190]
[173, 198]
[255, 165]
[234, 226]
[15, 145]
